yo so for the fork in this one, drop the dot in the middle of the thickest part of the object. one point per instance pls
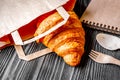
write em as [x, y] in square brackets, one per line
[103, 58]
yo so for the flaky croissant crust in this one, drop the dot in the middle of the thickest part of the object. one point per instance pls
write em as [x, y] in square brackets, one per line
[67, 41]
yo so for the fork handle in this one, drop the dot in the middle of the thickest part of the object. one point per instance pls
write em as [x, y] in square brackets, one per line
[115, 61]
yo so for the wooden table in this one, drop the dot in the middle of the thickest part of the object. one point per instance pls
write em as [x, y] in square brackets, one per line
[52, 67]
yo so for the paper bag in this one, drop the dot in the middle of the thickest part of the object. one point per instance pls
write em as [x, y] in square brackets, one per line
[15, 14]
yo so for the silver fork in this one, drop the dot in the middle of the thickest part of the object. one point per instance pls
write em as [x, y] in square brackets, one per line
[103, 58]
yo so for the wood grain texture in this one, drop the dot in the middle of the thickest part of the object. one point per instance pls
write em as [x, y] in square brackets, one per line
[52, 67]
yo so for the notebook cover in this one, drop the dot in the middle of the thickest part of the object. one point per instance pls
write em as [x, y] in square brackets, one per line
[103, 15]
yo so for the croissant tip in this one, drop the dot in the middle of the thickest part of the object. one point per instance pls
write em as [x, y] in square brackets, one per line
[72, 59]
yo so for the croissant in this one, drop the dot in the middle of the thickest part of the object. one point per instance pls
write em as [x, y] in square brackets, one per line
[67, 41]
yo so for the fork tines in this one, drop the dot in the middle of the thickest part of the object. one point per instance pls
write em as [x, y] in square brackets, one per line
[93, 54]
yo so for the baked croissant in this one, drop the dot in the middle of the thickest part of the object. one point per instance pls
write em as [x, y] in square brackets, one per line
[67, 41]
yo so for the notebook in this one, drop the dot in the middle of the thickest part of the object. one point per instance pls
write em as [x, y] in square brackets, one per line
[103, 15]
